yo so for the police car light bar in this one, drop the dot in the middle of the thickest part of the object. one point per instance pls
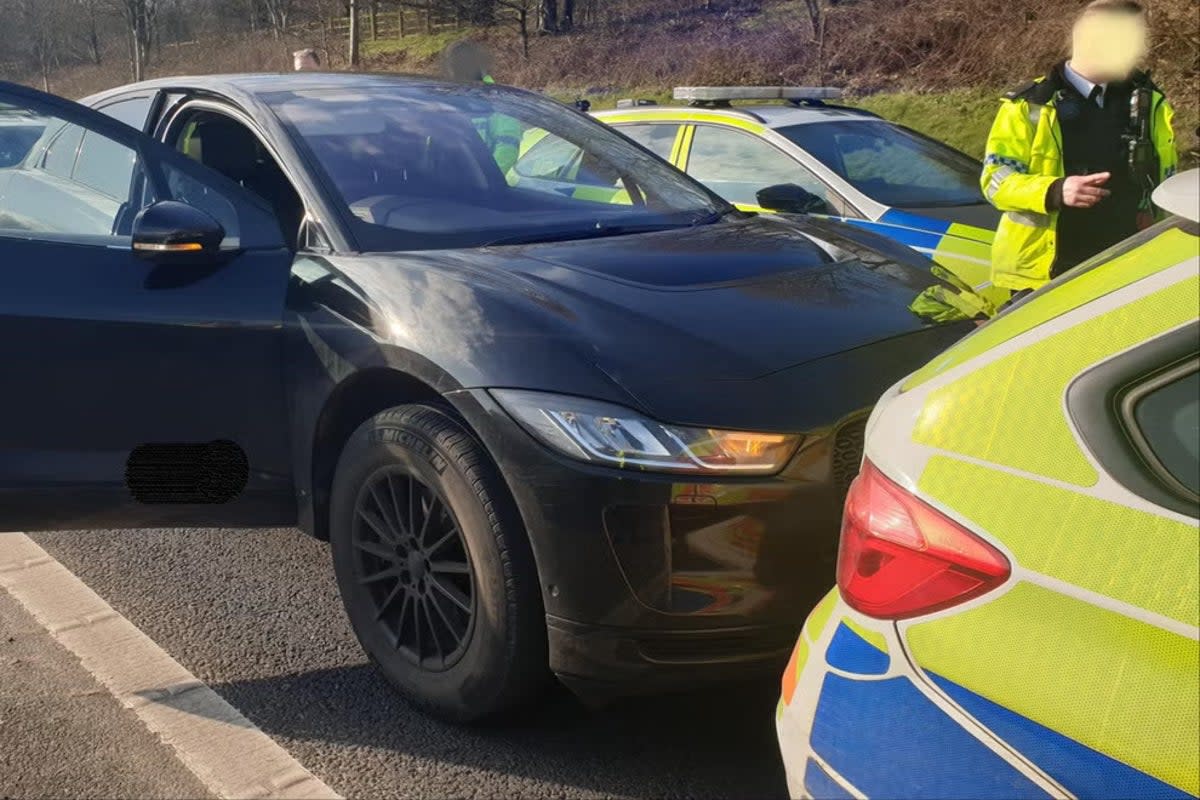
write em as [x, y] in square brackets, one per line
[717, 94]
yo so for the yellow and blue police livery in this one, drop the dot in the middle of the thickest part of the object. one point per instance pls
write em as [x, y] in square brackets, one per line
[811, 155]
[1017, 603]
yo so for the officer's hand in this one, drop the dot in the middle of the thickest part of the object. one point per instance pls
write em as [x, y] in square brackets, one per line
[1084, 191]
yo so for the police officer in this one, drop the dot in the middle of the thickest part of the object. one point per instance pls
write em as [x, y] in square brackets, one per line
[1073, 157]
[467, 62]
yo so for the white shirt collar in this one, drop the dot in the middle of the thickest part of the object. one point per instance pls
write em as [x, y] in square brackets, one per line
[1083, 85]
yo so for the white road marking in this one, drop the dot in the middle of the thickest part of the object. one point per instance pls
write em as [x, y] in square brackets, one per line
[229, 755]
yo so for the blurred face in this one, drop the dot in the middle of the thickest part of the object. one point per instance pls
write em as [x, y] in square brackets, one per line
[1109, 46]
[305, 61]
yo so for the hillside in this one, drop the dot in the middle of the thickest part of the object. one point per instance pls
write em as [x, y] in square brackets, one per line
[937, 65]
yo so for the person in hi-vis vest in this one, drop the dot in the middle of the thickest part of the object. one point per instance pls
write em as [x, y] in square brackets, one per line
[1074, 156]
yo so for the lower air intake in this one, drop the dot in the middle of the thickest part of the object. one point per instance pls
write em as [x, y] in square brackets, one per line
[187, 474]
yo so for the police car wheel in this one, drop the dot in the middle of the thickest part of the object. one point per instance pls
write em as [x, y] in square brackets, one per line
[434, 566]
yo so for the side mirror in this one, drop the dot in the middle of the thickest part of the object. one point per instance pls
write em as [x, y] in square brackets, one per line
[170, 232]
[791, 199]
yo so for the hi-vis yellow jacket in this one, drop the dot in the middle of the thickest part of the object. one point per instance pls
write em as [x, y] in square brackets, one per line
[1024, 159]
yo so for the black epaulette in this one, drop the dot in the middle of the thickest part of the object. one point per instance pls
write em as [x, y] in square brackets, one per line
[1038, 92]
[1017, 94]
[1142, 80]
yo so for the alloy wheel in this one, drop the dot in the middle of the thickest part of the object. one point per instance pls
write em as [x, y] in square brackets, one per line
[412, 560]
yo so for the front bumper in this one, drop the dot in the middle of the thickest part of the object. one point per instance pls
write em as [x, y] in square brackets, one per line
[651, 582]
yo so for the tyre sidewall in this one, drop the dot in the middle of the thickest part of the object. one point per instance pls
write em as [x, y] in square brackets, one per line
[470, 686]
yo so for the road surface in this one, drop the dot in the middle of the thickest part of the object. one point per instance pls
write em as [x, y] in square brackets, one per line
[255, 616]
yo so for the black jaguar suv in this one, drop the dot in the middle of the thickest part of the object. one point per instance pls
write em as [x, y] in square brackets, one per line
[569, 415]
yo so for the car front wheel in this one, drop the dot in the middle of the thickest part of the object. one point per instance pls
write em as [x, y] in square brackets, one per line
[434, 566]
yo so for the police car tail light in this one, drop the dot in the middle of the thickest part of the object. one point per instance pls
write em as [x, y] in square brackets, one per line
[902, 558]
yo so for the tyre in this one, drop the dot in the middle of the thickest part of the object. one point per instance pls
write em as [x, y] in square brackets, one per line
[435, 568]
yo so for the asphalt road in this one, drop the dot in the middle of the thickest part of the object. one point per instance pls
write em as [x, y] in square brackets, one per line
[256, 616]
[63, 735]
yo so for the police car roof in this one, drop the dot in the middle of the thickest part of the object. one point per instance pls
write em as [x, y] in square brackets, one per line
[780, 116]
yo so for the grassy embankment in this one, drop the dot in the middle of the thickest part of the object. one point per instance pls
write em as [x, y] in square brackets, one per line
[938, 66]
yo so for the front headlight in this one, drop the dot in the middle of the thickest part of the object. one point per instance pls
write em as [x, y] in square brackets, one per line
[601, 433]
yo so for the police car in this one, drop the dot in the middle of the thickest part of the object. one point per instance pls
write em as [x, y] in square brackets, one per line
[1016, 609]
[809, 155]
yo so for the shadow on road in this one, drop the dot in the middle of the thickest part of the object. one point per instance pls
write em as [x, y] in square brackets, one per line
[717, 743]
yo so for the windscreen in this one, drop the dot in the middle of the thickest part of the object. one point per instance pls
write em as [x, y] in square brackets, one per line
[430, 167]
[890, 164]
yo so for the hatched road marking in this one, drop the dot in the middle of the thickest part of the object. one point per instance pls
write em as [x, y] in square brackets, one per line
[229, 755]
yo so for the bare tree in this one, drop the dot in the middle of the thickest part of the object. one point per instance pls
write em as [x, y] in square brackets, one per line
[88, 22]
[41, 22]
[141, 17]
[814, 16]
[279, 14]
[548, 16]
[520, 10]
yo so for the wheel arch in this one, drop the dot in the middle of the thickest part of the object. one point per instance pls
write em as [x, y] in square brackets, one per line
[355, 400]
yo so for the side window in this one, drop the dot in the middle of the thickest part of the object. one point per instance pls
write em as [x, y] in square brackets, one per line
[1163, 416]
[80, 187]
[132, 111]
[85, 183]
[657, 137]
[1138, 414]
[59, 159]
[225, 145]
[105, 166]
[736, 165]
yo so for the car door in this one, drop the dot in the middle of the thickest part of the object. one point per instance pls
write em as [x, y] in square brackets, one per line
[138, 389]
[736, 165]
[664, 139]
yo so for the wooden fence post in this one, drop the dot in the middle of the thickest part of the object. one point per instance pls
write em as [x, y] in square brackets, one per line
[354, 34]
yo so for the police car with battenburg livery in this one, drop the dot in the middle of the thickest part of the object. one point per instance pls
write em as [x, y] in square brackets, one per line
[808, 154]
[1016, 610]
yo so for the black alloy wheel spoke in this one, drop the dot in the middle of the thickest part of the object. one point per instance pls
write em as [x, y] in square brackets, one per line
[375, 549]
[402, 530]
[425, 509]
[392, 571]
[447, 623]
[452, 534]
[452, 592]
[401, 618]
[391, 525]
[387, 601]
[433, 632]
[413, 488]
[381, 527]
[422, 594]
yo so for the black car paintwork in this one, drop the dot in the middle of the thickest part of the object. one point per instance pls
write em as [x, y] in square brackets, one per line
[787, 324]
